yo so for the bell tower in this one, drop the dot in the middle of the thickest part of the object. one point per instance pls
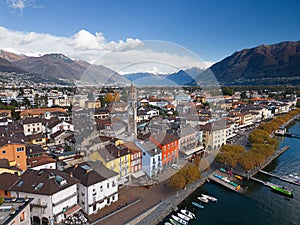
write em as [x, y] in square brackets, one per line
[132, 110]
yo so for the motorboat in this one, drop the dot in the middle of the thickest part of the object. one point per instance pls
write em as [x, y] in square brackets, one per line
[188, 213]
[213, 199]
[198, 205]
[203, 199]
[179, 220]
[186, 218]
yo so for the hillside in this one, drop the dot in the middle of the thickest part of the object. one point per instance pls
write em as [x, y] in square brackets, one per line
[264, 64]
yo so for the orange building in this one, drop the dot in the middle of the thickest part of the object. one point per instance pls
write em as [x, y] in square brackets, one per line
[9, 179]
[15, 153]
[168, 144]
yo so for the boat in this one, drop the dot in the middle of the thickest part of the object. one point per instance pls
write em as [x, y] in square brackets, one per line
[198, 205]
[188, 213]
[213, 199]
[186, 218]
[174, 222]
[203, 199]
[282, 190]
[167, 223]
[238, 177]
[218, 176]
[179, 220]
[223, 170]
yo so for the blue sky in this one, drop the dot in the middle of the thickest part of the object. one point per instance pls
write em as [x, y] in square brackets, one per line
[212, 29]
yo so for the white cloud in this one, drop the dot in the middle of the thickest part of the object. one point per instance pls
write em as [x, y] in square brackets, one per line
[130, 55]
[16, 4]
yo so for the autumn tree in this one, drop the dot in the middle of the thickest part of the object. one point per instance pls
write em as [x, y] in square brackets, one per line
[177, 181]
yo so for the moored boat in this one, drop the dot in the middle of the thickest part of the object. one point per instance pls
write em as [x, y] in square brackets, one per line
[188, 213]
[203, 199]
[186, 218]
[174, 222]
[213, 199]
[179, 220]
[198, 205]
[238, 177]
[167, 223]
[282, 190]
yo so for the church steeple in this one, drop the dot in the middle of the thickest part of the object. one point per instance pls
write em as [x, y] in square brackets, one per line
[132, 110]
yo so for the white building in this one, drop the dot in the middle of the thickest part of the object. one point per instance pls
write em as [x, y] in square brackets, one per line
[98, 185]
[54, 193]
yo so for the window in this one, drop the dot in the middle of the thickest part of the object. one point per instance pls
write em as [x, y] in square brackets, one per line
[20, 149]
[113, 183]
[22, 217]
[101, 188]
[3, 151]
[107, 185]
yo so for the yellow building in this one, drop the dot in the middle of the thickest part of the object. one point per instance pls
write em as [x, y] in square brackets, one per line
[114, 157]
[15, 153]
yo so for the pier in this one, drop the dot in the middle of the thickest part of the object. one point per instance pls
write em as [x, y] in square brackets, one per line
[288, 180]
[266, 183]
[211, 177]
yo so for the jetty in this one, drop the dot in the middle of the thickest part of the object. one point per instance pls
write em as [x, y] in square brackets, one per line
[285, 179]
[219, 181]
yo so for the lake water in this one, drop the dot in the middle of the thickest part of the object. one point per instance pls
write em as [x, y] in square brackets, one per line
[260, 206]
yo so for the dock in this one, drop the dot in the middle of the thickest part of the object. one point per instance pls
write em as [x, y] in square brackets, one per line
[288, 180]
[211, 177]
[266, 183]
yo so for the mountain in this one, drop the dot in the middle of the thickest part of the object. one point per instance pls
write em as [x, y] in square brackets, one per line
[7, 66]
[264, 64]
[53, 65]
[10, 56]
[180, 78]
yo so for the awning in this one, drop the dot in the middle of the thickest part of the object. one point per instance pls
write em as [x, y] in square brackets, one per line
[138, 174]
[72, 210]
[122, 181]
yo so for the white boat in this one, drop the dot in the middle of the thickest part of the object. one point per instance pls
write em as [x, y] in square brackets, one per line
[179, 220]
[209, 198]
[167, 223]
[186, 218]
[203, 199]
[188, 213]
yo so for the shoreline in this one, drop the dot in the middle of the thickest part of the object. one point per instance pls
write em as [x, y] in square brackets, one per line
[158, 213]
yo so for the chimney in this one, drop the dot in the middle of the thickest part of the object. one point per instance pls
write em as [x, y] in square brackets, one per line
[118, 153]
[76, 165]
[106, 157]
[71, 174]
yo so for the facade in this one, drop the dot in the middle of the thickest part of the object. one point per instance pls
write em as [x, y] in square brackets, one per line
[15, 153]
[135, 156]
[54, 194]
[115, 158]
[98, 186]
[152, 158]
[169, 146]
[132, 110]
[214, 134]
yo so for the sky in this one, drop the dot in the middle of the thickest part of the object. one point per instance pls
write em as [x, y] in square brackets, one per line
[197, 33]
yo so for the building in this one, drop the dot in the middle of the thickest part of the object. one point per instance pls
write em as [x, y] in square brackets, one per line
[54, 194]
[152, 158]
[15, 211]
[169, 146]
[10, 180]
[135, 157]
[98, 185]
[132, 110]
[214, 134]
[116, 158]
[14, 151]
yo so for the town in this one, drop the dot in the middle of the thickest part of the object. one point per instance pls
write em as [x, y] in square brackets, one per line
[69, 155]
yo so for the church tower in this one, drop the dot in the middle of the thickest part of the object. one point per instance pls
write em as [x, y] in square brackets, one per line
[132, 110]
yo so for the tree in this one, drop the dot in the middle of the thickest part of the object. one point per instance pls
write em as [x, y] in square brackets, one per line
[26, 102]
[14, 103]
[243, 95]
[177, 181]
[109, 98]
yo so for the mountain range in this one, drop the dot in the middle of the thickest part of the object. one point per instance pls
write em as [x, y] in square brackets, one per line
[265, 64]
